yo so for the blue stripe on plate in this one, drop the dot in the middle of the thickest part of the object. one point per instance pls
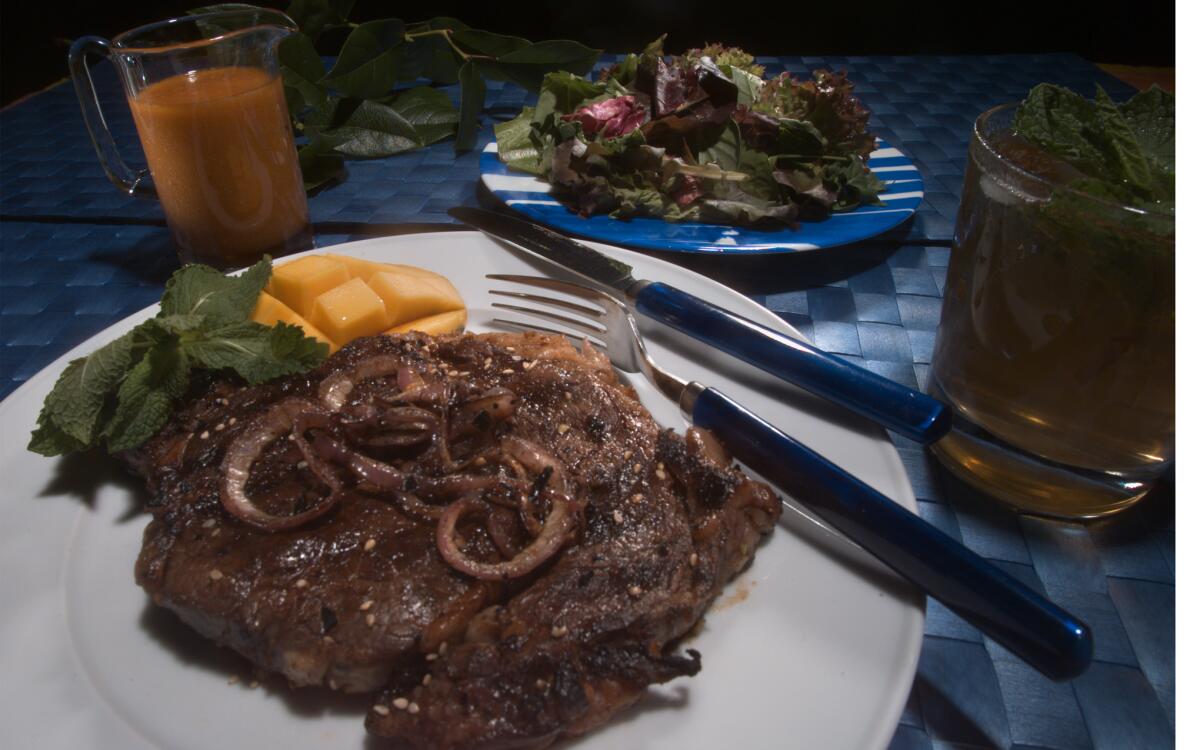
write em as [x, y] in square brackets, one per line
[528, 196]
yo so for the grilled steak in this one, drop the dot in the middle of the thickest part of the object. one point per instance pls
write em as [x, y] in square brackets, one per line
[498, 534]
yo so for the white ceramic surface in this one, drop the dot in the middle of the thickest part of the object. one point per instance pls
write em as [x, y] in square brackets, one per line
[814, 646]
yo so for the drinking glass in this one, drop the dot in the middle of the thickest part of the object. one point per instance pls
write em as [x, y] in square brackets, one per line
[1056, 346]
[207, 99]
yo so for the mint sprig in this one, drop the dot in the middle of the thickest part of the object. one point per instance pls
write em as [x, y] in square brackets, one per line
[122, 394]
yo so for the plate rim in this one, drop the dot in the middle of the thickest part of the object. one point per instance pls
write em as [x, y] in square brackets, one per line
[892, 710]
[637, 239]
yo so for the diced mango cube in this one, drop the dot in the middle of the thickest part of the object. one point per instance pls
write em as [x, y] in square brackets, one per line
[447, 322]
[298, 283]
[348, 311]
[409, 297]
[270, 311]
[365, 269]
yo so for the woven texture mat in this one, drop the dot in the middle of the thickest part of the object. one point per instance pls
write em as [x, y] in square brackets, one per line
[76, 255]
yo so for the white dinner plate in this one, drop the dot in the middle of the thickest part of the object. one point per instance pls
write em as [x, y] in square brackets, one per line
[813, 646]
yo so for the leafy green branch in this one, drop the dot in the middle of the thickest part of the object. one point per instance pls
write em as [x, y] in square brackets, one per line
[360, 107]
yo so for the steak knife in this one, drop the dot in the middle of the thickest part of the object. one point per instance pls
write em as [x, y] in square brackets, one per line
[899, 408]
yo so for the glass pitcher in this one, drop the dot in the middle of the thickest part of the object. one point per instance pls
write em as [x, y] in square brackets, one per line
[207, 99]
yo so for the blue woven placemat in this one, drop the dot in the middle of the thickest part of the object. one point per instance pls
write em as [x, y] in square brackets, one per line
[876, 304]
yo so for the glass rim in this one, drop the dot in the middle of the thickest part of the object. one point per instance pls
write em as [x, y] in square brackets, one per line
[978, 136]
[122, 41]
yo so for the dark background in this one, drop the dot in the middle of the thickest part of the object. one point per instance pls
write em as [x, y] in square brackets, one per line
[36, 33]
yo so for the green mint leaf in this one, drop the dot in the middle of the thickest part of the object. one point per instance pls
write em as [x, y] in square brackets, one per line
[219, 299]
[473, 92]
[430, 113]
[1151, 116]
[1125, 158]
[48, 440]
[75, 404]
[315, 16]
[256, 352]
[146, 398]
[368, 65]
[1054, 117]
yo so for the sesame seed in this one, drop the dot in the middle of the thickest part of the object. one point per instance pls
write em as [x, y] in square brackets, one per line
[487, 362]
[366, 605]
[232, 421]
[328, 639]
[442, 648]
[254, 684]
[209, 523]
[333, 684]
[369, 545]
[400, 703]
[618, 516]
[233, 679]
[694, 560]
[427, 679]
[562, 428]
[216, 531]
[302, 464]
[302, 583]
[509, 348]
[370, 621]
[215, 574]
[204, 435]
[292, 437]
[558, 631]
[570, 396]
[414, 708]
[628, 455]
[480, 461]
[381, 709]
[506, 371]
[542, 684]
[527, 365]
[637, 467]
[637, 497]
[660, 473]
[431, 656]
[516, 357]
[635, 591]
[220, 426]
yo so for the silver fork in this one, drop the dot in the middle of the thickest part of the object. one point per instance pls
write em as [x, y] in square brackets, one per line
[1049, 638]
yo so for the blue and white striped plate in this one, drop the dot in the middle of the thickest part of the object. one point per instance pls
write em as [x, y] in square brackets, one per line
[530, 196]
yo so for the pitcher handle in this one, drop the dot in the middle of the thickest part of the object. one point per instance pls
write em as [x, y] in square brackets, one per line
[133, 182]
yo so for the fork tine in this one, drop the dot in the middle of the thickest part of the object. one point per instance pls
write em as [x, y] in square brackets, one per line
[591, 312]
[566, 287]
[563, 320]
[577, 339]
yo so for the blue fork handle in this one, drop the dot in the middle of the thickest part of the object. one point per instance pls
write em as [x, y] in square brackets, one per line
[1049, 638]
[899, 408]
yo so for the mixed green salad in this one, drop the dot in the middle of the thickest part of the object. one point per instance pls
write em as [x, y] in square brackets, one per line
[700, 136]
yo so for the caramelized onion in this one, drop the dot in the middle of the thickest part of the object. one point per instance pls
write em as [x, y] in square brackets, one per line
[244, 452]
[335, 389]
[556, 531]
[482, 412]
[536, 460]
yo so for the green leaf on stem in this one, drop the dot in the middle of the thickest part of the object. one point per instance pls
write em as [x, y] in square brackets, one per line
[217, 298]
[479, 42]
[430, 112]
[320, 164]
[373, 131]
[473, 92]
[527, 66]
[298, 53]
[367, 65]
[315, 16]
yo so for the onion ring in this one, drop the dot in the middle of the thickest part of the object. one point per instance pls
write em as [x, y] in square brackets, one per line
[335, 389]
[555, 532]
[244, 452]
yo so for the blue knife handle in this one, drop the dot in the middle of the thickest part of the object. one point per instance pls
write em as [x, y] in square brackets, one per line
[1052, 640]
[899, 408]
